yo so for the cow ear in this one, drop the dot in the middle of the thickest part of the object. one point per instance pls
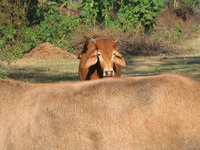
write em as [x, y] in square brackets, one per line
[91, 60]
[118, 59]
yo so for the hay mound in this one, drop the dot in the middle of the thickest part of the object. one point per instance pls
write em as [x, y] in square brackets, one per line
[47, 51]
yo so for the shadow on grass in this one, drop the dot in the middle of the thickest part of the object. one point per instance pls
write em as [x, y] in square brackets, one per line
[42, 78]
[40, 75]
[185, 65]
[136, 66]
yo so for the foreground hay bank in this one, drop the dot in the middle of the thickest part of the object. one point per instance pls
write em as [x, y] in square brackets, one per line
[142, 113]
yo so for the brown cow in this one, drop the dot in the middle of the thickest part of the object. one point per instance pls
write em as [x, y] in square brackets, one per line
[100, 59]
[140, 113]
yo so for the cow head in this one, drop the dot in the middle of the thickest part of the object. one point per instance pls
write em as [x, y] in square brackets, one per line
[106, 55]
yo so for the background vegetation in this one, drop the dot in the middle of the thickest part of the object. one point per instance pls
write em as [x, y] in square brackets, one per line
[27, 23]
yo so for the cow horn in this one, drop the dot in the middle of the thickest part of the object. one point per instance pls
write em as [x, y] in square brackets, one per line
[116, 40]
[93, 41]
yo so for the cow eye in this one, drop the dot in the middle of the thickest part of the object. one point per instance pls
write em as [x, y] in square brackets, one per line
[114, 54]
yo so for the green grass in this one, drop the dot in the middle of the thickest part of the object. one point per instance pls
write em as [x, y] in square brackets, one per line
[41, 71]
[143, 66]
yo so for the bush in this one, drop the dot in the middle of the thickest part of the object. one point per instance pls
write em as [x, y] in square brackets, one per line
[130, 13]
[129, 43]
[13, 43]
[54, 27]
[139, 12]
[177, 32]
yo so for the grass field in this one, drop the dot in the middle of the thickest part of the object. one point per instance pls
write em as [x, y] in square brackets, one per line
[142, 66]
[40, 71]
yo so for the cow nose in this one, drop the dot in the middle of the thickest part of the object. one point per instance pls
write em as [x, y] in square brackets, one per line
[109, 73]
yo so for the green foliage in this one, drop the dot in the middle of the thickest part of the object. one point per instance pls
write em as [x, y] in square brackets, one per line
[13, 42]
[12, 12]
[55, 27]
[177, 32]
[89, 12]
[139, 12]
[107, 6]
[95, 11]
[130, 13]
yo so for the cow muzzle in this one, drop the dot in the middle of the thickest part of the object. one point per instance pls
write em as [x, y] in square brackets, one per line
[109, 73]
